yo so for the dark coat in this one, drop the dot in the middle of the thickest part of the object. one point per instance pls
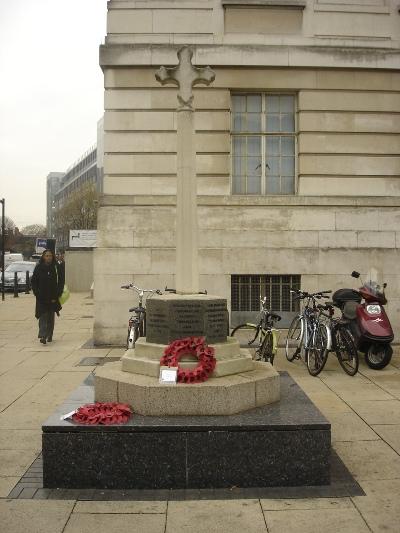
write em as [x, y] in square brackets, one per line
[47, 285]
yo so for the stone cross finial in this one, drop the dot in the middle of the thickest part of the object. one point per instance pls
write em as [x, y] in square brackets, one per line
[185, 76]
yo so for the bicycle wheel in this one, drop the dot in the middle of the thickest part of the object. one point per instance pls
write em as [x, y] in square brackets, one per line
[346, 351]
[266, 350]
[246, 335]
[317, 354]
[294, 339]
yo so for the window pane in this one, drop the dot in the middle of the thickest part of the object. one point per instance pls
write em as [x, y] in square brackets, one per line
[253, 122]
[287, 166]
[272, 145]
[254, 103]
[287, 144]
[253, 185]
[273, 122]
[254, 166]
[239, 146]
[287, 184]
[273, 185]
[272, 166]
[238, 185]
[287, 104]
[238, 166]
[254, 145]
[287, 122]
[239, 103]
[272, 104]
[239, 121]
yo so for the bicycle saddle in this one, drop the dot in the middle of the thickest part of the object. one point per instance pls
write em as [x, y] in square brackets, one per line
[276, 317]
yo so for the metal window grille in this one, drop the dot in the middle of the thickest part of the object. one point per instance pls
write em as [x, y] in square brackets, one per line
[264, 140]
[248, 290]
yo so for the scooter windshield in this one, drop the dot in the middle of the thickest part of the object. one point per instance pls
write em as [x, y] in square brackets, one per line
[373, 288]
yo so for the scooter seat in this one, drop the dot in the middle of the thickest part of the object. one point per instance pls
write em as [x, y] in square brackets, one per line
[350, 310]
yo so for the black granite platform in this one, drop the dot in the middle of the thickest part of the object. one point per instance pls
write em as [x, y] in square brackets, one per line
[284, 444]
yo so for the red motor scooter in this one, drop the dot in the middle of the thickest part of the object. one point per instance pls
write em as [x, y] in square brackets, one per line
[367, 320]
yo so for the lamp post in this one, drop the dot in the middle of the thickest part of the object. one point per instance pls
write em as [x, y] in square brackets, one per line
[3, 244]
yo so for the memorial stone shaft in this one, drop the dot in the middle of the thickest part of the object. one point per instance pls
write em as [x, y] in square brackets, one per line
[185, 76]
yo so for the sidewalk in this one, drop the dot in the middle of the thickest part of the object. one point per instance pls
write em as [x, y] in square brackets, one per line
[364, 412]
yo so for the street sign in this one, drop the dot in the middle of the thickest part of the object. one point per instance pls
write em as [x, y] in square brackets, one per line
[82, 238]
[41, 245]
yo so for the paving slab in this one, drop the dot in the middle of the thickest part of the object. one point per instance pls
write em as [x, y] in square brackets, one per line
[389, 383]
[348, 426]
[368, 460]
[305, 503]
[10, 358]
[384, 412]
[21, 439]
[22, 516]
[121, 523]
[13, 388]
[359, 392]
[380, 507]
[346, 520]
[6, 484]
[15, 462]
[120, 507]
[236, 516]
[390, 433]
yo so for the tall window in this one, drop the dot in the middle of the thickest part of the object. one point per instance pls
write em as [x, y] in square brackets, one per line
[263, 143]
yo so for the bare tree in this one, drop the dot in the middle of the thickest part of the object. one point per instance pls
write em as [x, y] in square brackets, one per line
[10, 228]
[36, 230]
[78, 212]
[9, 224]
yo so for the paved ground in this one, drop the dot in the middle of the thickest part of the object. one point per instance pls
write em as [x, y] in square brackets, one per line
[364, 412]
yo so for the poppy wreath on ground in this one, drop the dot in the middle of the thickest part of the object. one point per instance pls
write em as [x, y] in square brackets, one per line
[190, 346]
[105, 413]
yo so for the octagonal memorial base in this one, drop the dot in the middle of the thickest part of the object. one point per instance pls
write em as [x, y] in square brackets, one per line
[145, 358]
[217, 396]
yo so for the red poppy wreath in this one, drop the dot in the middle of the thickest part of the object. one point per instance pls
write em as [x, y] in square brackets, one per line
[105, 413]
[190, 346]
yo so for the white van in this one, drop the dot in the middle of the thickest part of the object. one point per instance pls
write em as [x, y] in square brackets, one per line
[11, 258]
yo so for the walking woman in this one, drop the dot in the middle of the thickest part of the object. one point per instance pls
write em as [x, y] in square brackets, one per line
[47, 285]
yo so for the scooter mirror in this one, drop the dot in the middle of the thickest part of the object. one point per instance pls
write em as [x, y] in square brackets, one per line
[384, 285]
[355, 274]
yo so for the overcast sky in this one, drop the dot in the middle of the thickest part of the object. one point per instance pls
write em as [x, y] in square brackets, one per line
[51, 95]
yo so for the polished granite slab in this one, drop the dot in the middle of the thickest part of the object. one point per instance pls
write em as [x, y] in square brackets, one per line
[283, 444]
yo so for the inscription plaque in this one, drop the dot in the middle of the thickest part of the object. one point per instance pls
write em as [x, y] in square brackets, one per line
[171, 317]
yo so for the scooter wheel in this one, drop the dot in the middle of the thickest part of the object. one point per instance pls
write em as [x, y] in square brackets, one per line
[378, 356]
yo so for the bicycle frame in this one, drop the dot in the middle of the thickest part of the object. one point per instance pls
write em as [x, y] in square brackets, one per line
[308, 327]
[261, 333]
[137, 323]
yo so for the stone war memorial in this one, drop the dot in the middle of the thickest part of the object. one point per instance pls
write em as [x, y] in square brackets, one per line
[204, 434]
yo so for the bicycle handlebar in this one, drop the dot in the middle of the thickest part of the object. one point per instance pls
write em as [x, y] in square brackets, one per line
[138, 290]
[300, 295]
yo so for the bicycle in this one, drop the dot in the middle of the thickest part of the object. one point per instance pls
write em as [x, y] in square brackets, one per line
[137, 322]
[343, 343]
[308, 335]
[267, 344]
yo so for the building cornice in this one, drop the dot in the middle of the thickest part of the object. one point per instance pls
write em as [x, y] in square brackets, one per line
[231, 55]
[253, 201]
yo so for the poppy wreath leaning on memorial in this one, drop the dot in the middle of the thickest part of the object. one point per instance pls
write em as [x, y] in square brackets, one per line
[105, 413]
[190, 346]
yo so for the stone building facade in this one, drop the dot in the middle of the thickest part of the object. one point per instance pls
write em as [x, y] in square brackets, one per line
[297, 140]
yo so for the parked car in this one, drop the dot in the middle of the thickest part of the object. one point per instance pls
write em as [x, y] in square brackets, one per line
[21, 267]
[11, 258]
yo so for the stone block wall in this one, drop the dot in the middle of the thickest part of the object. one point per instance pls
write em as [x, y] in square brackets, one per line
[345, 213]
